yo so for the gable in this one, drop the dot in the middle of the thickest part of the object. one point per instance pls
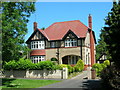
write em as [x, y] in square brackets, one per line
[69, 34]
[36, 35]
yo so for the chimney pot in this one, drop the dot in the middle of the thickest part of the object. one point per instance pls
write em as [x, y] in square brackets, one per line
[35, 26]
[90, 21]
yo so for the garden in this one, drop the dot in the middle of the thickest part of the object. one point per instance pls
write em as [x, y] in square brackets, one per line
[26, 64]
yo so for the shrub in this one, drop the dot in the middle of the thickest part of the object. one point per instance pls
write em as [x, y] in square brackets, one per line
[98, 68]
[70, 69]
[111, 78]
[21, 64]
[10, 65]
[63, 65]
[46, 65]
[24, 64]
[79, 66]
[27, 64]
[107, 62]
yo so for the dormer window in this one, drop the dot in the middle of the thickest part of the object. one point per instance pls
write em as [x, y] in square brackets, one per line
[70, 42]
[37, 45]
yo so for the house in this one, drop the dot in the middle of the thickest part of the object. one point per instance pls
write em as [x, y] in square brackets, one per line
[102, 58]
[66, 41]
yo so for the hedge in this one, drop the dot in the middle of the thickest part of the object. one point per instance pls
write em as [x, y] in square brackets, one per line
[24, 64]
[27, 64]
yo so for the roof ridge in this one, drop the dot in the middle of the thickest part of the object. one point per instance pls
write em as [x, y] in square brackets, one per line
[66, 21]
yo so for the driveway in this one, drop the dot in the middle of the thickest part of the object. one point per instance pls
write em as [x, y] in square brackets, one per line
[79, 81]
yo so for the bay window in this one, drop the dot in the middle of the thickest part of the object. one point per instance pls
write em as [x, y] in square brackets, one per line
[37, 59]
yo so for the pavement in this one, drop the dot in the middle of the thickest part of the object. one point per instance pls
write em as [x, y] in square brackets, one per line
[80, 81]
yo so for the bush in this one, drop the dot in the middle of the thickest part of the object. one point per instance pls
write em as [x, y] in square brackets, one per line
[10, 65]
[70, 69]
[111, 78]
[27, 64]
[63, 65]
[46, 65]
[19, 65]
[98, 68]
[24, 64]
[107, 62]
[79, 66]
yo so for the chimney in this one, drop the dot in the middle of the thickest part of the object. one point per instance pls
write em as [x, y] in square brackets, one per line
[90, 21]
[92, 48]
[35, 26]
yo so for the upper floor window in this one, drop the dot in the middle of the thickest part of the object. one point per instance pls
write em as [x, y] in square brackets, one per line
[53, 44]
[70, 42]
[37, 45]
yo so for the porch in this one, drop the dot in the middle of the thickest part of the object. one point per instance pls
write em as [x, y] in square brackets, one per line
[70, 59]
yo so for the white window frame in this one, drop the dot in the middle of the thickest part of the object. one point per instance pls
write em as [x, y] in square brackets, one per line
[37, 59]
[70, 42]
[38, 45]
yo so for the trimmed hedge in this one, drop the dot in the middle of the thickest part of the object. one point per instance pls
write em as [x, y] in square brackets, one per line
[27, 64]
[24, 64]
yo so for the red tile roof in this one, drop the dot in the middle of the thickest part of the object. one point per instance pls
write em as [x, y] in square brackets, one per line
[58, 30]
[37, 52]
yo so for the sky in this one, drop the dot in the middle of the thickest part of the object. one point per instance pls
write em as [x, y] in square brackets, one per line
[48, 13]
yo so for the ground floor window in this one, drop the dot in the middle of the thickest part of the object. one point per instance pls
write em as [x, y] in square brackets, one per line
[37, 59]
[70, 59]
[87, 60]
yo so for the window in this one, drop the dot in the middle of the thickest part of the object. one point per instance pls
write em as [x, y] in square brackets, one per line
[37, 45]
[70, 42]
[53, 44]
[37, 59]
[72, 59]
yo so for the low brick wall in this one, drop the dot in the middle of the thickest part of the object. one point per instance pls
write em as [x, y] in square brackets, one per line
[59, 74]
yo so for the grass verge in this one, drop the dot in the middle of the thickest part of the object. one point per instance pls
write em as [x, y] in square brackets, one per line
[25, 83]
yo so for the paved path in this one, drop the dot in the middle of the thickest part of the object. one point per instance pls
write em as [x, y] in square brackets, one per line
[75, 82]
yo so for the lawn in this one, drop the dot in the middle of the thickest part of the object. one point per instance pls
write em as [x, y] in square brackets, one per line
[25, 83]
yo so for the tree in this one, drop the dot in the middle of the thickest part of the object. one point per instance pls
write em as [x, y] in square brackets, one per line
[101, 47]
[43, 28]
[14, 27]
[111, 33]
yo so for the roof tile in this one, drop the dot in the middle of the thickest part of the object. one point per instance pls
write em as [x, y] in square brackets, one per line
[58, 30]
